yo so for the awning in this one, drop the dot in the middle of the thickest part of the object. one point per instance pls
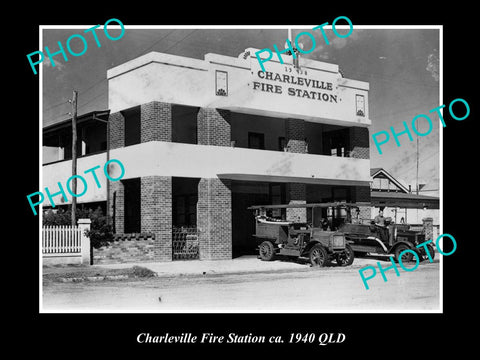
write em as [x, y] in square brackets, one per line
[93, 115]
[292, 179]
[404, 200]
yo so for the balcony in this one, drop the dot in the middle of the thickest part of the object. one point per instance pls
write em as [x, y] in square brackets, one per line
[203, 161]
[61, 171]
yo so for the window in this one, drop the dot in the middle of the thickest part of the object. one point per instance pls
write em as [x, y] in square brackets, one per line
[282, 143]
[221, 83]
[336, 143]
[184, 124]
[132, 126]
[185, 210]
[360, 102]
[256, 141]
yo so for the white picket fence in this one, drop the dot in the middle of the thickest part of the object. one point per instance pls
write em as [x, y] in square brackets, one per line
[66, 244]
[61, 240]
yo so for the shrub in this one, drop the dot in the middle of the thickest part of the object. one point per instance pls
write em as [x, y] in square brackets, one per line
[140, 271]
[100, 233]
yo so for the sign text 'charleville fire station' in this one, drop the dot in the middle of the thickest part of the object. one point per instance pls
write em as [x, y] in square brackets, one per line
[295, 80]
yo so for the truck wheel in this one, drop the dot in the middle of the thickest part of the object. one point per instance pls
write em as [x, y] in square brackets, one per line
[431, 250]
[407, 257]
[318, 255]
[266, 251]
[346, 258]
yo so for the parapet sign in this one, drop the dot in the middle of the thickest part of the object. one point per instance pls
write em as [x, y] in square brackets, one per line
[288, 80]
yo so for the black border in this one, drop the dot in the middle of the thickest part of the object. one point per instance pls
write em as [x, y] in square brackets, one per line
[367, 334]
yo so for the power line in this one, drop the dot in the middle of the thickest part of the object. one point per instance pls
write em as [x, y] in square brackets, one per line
[56, 105]
[179, 41]
[156, 42]
[95, 98]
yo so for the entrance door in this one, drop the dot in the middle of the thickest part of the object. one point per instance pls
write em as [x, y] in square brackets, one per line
[243, 222]
[132, 205]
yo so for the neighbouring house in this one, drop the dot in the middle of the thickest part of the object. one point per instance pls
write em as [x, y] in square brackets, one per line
[399, 202]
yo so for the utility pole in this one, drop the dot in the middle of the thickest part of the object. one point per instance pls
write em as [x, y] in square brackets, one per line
[418, 187]
[74, 157]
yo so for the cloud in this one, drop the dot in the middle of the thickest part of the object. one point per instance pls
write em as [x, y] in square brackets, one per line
[323, 51]
[58, 65]
[338, 42]
[432, 65]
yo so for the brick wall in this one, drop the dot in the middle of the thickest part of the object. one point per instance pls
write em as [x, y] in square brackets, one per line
[156, 213]
[428, 228]
[214, 219]
[117, 188]
[140, 248]
[156, 191]
[296, 194]
[360, 149]
[117, 130]
[295, 135]
[213, 127]
[156, 121]
[362, 194]
[359, 142]
[214, 207]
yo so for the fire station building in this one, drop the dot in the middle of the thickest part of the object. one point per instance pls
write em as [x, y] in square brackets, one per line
[202, 140]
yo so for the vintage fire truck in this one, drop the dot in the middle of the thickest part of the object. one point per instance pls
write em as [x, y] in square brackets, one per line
[391, 239]
[300, 239]
[337, 235]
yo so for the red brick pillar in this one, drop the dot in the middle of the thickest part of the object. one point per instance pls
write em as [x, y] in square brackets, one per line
[117, 130]
[156, 191]
[296, 193]
[116, 194]
[117, 206]
[428, 228]
[214, 219]
[213, 127]
[214, 207]
[359, 143]
[362, 194]
[360, 149]
[156, 121]
[156, 213]
[295, 135]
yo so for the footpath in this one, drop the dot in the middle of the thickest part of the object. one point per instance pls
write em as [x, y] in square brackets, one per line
[191, 268]
[241, 265]
[244, 264]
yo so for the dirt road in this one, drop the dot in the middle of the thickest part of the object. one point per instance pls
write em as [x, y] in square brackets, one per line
[332, 289]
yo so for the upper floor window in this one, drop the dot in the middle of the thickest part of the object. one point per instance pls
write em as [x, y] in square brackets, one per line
[336, 143]
[256, 140]
[132, 126]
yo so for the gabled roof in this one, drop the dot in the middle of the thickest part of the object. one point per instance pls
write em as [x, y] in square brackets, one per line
[373, 171]
[377, 171]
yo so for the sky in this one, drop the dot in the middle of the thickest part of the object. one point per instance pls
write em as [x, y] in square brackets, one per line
[401, 66]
